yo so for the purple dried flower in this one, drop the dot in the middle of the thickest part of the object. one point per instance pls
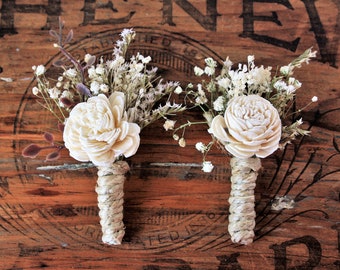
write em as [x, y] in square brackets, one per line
[31, 151]
[49, 137]
[53, 156]
[83, 89]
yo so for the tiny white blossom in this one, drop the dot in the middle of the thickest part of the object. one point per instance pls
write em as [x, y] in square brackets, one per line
[127, 32]
[209, 71]
[219, 104]
[280, 85]
[54, 92]
[224, 83]
[95, 87]
[210, 62]
[227, 63]
[175, 137]
[201, 100]
[290, 89]
[39, 70]
[178, 90]
[146, 60]
[200, 147]
[207, 166]
[314, 99]
[182, 142]
[92, 72]
[35, 90]
[198, 71]
[169, 124]
[250, 58]
[71, 73]
[100, 70]
[89, 57]
[104, 88]
[286, 70]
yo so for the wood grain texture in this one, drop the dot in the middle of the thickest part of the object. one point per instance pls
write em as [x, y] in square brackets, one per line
[175, 215]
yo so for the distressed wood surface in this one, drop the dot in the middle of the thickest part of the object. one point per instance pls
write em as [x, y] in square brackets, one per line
[175, 215]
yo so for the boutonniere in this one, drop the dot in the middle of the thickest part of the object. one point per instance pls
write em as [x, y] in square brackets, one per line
[101, 106]
[246, 111]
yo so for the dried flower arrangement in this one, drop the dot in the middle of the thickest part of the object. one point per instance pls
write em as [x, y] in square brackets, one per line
[101, 108]
[245, 110]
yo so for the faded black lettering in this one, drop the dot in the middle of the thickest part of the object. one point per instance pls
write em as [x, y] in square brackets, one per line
[229, 262]
[327, 55]
[314, 252]
[9, 7]
[248, 24]
[207, 21]
[89, 10]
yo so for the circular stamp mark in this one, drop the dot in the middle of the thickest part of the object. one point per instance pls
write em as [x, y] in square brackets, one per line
[175, 55]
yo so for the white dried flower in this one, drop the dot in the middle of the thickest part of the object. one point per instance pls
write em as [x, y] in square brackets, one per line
[71, 73]
[95, 87]
[207, 166]
[54, 92]
[88, 57]
[209, 71]
[198, 71]
[286, 70]
[227, 63]
[35, 90]
[104, 88]
[210, 62]
[201, 147]
[100, 70]
[251, 126]
[224, 82]
[178, 90]
[182, 142]
[314, 99]
[219, 104]
[201, 100]
[97, 131]
[169, 124]
[92, 72]
[146, 60]
[39, 70]
[175, 137]
[250, 58]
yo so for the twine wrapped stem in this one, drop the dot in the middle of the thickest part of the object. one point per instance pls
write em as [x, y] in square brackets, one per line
[110, 191]
[242, 199]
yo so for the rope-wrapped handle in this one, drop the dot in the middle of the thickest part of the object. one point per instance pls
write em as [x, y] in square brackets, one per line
[110, 191]
[242, 199]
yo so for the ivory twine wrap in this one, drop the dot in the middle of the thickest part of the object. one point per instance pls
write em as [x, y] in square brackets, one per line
[242, 213]
[110, 191]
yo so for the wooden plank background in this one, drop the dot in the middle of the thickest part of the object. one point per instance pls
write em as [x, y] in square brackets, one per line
[175, 215]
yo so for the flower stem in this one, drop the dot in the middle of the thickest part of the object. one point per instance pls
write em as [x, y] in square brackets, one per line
[242, 214]
[110, 185]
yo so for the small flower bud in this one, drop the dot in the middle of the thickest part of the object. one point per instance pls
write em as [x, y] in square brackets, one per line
[182, 142]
